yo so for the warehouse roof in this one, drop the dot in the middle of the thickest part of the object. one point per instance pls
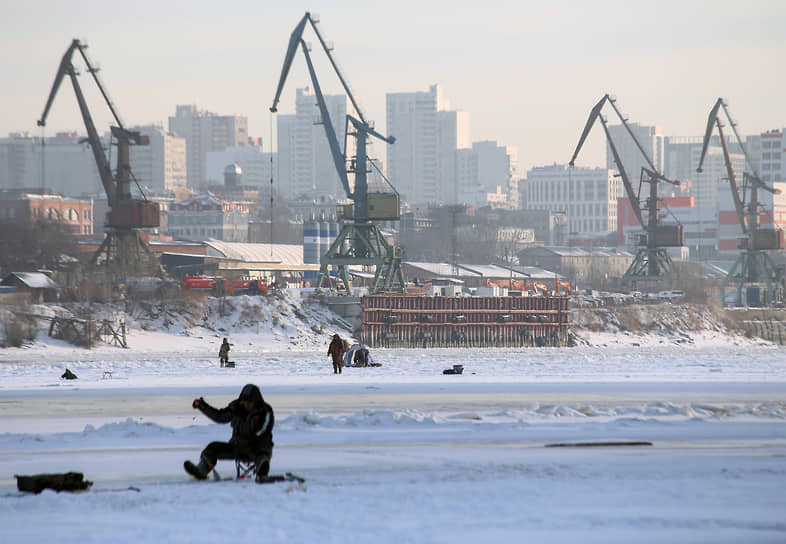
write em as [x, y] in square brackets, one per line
[287, 254]
[33, 280]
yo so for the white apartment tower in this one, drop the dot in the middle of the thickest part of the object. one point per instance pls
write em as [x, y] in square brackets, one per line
[587, 195]
[305, 162]
[422, 162]
[161, 165]
[205, 131]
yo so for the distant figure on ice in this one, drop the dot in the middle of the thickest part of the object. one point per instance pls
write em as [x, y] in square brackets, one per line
[223, 352]
[335, 350]
[252, 433]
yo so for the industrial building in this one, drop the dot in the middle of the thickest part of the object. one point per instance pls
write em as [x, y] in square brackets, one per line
[206, 216]
[24, 206]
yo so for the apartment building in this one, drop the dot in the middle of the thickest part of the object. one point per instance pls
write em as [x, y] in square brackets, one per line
[588, 196]
[205, 131]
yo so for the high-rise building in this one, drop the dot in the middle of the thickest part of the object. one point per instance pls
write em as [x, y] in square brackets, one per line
[773, 156]
[64, 165]
[205, 131]
[487, 174]
[452, 135]
[587, 195]
[161, 165]
[652, 141]
[422, 161]
[306, 166]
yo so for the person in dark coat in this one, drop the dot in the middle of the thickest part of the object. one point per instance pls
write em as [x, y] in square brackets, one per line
[223, 352]
[335, 350]
[252, 423]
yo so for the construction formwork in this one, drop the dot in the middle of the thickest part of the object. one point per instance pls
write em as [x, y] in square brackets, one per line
[407, 321]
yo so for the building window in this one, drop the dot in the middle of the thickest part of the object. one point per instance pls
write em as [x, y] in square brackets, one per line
[73, 215]
[52, 214]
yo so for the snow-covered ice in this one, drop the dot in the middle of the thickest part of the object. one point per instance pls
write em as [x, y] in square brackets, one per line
[403, 453]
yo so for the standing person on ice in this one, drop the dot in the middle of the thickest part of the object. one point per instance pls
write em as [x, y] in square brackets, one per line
[335, 350]
[223, 352]
[252, 433]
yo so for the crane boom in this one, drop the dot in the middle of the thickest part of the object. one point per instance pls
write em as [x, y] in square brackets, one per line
[595, 114]
[294, 40]
[362, 127]
[360, 242]
[714, 120]
[634, 198]
[126, 213]
[104, 169]
[339, 160]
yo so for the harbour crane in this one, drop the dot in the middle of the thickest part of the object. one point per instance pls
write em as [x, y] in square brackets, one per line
[652, 261]
[124, 250]
[753, 265]
[360, 242]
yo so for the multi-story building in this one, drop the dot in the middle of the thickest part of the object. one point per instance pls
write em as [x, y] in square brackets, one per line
[161, 165]
[587, 195]
[254, 163]
[495, 170]
[205, 131]
[306, 166]
[207, 216]
[651, 139]
[452, 136]
[773, 156]
[64, 164]
[24, 206]
[422, 162]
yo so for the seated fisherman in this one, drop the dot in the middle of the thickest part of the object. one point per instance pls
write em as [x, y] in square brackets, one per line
[252, 433]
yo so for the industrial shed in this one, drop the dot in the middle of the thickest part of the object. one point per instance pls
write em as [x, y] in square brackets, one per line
[37, 285]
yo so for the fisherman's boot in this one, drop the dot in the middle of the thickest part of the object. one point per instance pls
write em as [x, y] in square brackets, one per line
[262, 468]
[199, 471]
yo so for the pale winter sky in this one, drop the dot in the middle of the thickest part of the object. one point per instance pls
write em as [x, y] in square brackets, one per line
[528, 72]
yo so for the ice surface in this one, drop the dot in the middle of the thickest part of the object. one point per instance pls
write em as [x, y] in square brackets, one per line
[402, 453]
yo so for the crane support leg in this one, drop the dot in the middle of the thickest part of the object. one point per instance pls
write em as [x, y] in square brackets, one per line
[361, 245]
[125, 253]
[648, 265]
[756, 267]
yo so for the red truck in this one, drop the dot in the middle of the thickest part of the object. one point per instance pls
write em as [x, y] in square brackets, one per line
[233, 286]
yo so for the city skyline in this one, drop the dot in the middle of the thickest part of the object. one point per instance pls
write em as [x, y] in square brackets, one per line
[526, 74]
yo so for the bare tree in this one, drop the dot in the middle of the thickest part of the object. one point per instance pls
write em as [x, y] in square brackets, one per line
[27, 246]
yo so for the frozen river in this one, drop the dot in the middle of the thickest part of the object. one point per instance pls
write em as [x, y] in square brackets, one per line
[403, 453]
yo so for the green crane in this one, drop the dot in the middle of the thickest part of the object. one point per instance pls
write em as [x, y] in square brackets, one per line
[360, 242]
